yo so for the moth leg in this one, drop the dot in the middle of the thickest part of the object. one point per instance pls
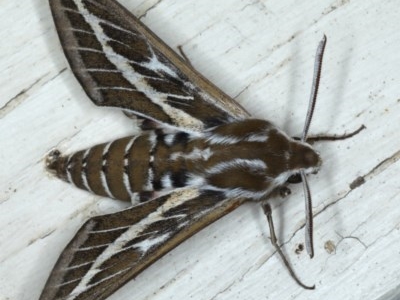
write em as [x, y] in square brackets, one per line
[143, 123]
[182, 53]
[335, 137]
[130, 115]
[284, 191]
[147, 124]
[146, 196]
[268, 212]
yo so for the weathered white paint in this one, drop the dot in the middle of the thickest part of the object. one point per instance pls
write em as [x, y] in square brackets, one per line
[262, 53]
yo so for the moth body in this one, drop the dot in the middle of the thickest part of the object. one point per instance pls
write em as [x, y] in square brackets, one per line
[246, 159]
[205, 157]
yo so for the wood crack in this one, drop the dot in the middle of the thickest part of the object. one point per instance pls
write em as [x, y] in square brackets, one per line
[149, 9]
[351, 237]
[224, 290]
[360, 180]
[335, 6]
[19, 98]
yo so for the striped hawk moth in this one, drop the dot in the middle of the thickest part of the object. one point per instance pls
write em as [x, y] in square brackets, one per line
[200, 157]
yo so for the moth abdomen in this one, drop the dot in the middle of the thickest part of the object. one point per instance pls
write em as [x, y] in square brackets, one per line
[102, 169]
[55, 164]
[119, 169]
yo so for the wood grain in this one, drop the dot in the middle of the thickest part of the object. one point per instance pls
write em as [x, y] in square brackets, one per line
[262, 53]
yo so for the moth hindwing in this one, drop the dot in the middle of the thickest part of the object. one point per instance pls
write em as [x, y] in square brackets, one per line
[177, 173]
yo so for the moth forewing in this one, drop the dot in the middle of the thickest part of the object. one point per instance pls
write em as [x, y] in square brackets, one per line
[116, 58]
[201, 158]
[110, 250]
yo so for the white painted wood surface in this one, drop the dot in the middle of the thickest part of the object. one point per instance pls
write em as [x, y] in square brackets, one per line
[261, 53]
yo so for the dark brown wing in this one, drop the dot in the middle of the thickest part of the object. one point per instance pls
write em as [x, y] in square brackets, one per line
[110, 250]
[121, 63]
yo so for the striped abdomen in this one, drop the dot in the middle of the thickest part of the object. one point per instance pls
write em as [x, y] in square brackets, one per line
[126, 168]
[118, 169]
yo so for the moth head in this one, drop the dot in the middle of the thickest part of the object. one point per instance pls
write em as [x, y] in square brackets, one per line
[303, 158]
[286, 157]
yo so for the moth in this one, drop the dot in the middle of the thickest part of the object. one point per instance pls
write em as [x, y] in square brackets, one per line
[200, 155]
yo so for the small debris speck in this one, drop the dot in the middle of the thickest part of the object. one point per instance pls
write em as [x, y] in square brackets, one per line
[357, 182]
[299, 248]
[330, 247]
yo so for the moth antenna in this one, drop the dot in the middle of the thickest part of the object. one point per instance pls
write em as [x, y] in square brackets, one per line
[315, 86]
[183, 54]
[309, 216]
[311, 106]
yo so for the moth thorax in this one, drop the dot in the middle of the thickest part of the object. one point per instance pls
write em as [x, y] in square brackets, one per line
[303, 157]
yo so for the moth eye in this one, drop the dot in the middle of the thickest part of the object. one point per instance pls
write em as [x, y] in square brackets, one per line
[295, 178]
[284, 191]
